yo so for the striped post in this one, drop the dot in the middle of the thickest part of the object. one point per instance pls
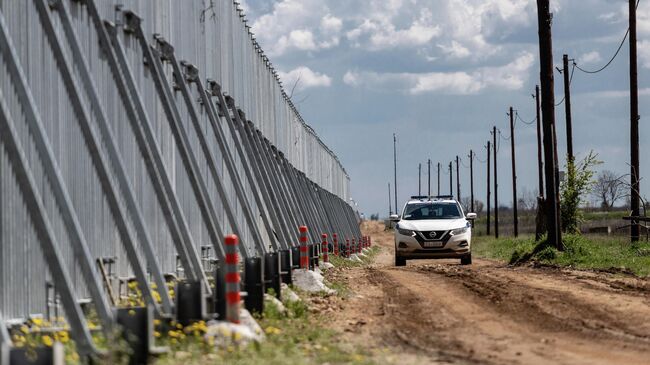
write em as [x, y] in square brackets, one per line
[232, 279]
[335, 242]
[326, 249]
[304, 254]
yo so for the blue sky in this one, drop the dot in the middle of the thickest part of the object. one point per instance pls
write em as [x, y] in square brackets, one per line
[441, 73]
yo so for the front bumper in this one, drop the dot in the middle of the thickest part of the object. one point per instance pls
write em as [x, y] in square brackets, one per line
[449, 247]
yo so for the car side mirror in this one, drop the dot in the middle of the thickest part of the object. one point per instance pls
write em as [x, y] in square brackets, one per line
[471, 216]
[394, 218]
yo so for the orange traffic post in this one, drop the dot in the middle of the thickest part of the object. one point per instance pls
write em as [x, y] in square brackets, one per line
[304, 251]
[232, 279]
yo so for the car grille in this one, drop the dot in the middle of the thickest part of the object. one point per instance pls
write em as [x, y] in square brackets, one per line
[432, 236]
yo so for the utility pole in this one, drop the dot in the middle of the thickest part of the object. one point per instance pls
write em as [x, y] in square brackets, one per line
[548, 108]
[438, 178]
[420, 179]
[390, 208]
[429, 162]
[395, 167]
[634, 127]
[457, 179]
[488, 188]
[514, 172]
[496, 183]
[567, 108]
[471, 179]
[451, 180]
[540, 163]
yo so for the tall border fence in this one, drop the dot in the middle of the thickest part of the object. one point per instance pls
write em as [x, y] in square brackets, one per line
[135, 135]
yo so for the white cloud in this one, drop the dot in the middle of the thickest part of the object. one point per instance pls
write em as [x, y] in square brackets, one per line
[508, 77]
[378, 31]
[304, 78]
[590, 58]
[644, 53]
[304, 25]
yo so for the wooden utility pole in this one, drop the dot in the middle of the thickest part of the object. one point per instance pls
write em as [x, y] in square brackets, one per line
[438, 178]
[540, 161]
[451, 180]
[548, 109]
[567, 108]
[471, 179]
[457, 179]
[514, 173]
[429, 162]
[395, 167]
[420, 179]
[635, 192]
[496, 183]
[488, 188]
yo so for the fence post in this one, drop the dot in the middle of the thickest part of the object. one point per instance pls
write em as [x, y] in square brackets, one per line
[233, 296]
[347, 247]
[304, 250]
[335, 243]
[326, 249]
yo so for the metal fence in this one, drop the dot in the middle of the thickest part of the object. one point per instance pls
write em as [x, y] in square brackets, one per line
[135, 134]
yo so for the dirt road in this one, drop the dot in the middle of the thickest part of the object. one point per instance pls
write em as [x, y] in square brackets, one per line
[489, 313]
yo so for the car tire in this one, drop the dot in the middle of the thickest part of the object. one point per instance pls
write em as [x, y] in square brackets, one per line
[400, 261]
[466, 260]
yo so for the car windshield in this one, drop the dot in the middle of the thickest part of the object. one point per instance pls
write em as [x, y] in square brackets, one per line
[431, 210]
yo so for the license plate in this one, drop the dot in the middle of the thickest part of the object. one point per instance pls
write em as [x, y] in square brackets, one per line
[432, 244]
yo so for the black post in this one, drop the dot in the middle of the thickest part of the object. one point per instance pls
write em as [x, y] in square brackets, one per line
[548, 109]
[634, 126]
[420, 179]
[429, 165]
[471, 179]
[457, 178]
[438, 178]
[567, 108]
[451, 179]
[395, 167]
[496, 183]
[514, 173]
[488, 188]
[540, 161]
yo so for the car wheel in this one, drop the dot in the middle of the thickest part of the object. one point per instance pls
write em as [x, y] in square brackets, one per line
[466, 260]
[400, 261]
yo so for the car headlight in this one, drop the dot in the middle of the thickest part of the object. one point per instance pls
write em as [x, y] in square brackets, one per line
[456, 232]
[405, 232]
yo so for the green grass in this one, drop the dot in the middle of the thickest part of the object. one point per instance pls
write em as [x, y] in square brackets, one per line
[582, 252]
[298, 336]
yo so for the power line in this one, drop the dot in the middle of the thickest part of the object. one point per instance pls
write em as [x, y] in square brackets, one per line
[575, 65]
[618, 50]
[523, 121]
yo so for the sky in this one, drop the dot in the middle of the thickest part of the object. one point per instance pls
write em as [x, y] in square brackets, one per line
[440, 74]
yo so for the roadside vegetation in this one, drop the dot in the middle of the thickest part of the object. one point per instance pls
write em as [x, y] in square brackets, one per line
[295, 336]
[581, 252]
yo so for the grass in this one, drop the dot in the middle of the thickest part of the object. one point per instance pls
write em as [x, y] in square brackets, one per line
[581, 252]
[295, 337]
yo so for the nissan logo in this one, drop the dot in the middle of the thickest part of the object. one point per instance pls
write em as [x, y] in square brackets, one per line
[433, 234]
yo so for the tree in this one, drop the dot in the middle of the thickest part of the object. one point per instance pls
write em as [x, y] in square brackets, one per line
[527, 200]
[608, 188]
[579, 179]
[465, 202]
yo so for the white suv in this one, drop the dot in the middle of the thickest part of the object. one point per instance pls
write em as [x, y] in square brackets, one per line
[433, 228]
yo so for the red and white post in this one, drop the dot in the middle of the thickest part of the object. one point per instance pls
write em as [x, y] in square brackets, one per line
[233, 296]
[304, 251]
[325, 248]
[335, 243]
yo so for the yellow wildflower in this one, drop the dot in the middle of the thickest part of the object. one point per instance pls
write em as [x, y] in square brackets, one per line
[47, 341]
